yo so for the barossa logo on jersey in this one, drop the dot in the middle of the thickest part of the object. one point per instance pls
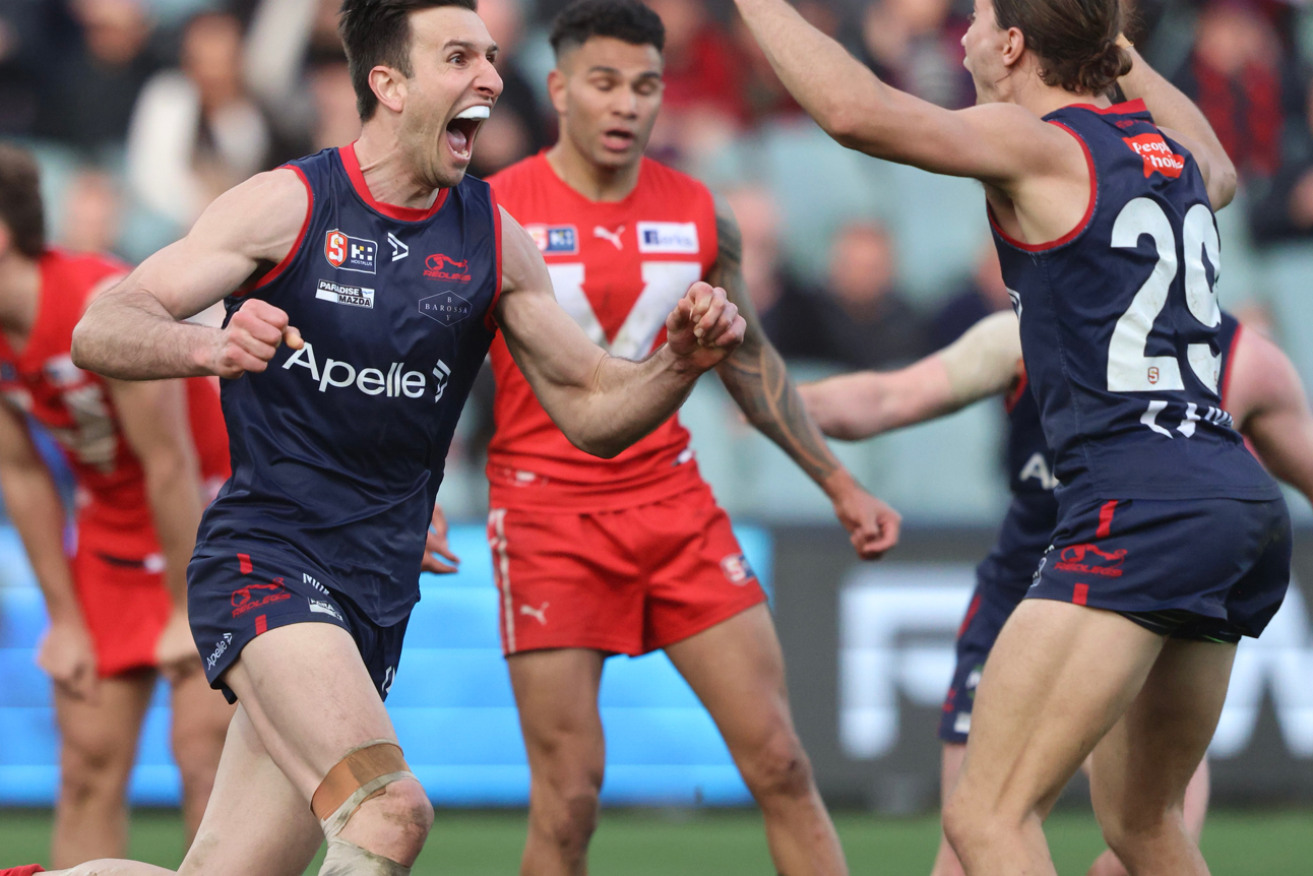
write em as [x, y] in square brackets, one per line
[447, 308]
[444, 267]
[1158, 156]
[371, 381]
[554, 239]
[351, 253]
[356, 296]
[668, 237]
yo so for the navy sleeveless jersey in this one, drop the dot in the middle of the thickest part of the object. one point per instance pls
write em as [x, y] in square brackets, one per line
[338, 448]
[1228, 333]
[1033, 512]
[1119, 325]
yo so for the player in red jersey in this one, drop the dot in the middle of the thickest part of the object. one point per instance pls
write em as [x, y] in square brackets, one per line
[629, 555]
[118, 606]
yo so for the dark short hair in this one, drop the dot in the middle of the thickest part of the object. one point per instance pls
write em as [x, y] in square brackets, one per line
[1075, 40]
[20, 200]
[626, 20]
[377, 32]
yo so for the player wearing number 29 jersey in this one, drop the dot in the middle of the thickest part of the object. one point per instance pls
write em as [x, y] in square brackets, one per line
[1120, 332]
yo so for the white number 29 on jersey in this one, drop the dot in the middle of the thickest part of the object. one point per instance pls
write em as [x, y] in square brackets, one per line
[1129, 369]
[664, 283]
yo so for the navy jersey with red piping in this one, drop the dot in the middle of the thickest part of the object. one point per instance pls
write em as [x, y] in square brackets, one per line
[338, 448]
[1119, 325]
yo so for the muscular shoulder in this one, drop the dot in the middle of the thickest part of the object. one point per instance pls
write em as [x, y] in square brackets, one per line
[262, 217]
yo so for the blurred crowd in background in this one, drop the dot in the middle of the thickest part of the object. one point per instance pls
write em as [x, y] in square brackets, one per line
[143, 111]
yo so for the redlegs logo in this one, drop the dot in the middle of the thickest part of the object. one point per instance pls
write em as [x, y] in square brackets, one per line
[443, 267]
[1091, 560]
[1158, 156]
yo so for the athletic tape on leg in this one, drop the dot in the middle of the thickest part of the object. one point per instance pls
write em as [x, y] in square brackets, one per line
[364, 772]
[345, 858]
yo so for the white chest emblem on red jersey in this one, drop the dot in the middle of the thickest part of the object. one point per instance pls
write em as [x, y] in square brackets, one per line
[608, 234]
[664, 283]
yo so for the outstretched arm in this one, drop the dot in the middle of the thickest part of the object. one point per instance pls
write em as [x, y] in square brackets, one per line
[756, 377]
[1185, 122]
[135, 330]
[1267, 399]
[603, 404]
[997, 143]
[981, 363]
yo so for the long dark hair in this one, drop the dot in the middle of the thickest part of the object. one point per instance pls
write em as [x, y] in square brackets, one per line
[1075, 40]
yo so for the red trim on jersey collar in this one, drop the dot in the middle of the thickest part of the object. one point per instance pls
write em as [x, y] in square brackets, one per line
[1081, 226]
[1125, 108]
[1230, 365]
[296, 247]
[351, 164]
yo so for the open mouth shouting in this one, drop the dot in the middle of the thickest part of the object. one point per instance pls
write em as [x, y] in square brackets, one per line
[461, 130]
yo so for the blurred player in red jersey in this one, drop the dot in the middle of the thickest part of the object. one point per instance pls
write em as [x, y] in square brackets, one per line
[629, 555]
[118, 610]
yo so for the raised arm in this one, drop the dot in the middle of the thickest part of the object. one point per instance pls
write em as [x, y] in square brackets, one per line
[1185, 122]
[135, 330]
[33, 503]
[1267, 399]
[756, 377]
[603, 404]
[981, 363]
[997, 143]
[153, 415]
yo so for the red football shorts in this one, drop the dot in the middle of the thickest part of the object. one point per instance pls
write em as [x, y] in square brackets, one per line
[626, 582]
[125, 606]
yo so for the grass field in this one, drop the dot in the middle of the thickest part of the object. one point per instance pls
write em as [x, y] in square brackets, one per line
[681, 843]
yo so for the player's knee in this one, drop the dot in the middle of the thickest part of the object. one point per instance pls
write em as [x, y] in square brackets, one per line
[93, 767]
[402, 814]
[777, 767]
[1133, 834]
[571, 819]
[968, 821]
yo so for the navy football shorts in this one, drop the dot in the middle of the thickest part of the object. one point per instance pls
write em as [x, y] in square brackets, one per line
[1202, 569]
[232, 598]
[998, 591]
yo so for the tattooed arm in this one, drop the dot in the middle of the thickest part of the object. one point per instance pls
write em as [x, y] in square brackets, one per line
[757, 379]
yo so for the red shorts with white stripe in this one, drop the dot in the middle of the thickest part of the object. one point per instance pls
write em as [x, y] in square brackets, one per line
[626, 582]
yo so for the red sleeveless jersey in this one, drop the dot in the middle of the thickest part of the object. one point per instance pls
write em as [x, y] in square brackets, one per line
[76, 408]
[618, 268]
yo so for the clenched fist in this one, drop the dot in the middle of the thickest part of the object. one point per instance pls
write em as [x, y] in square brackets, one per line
[251, 339]
[705, 326]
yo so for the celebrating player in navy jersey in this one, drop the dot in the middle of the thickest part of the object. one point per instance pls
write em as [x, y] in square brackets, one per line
[1259, 388]
[1171, 541]
[363, 288]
